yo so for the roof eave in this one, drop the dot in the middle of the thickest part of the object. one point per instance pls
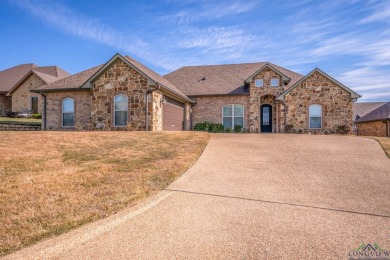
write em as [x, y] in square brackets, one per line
[284, 77]
[59, 90]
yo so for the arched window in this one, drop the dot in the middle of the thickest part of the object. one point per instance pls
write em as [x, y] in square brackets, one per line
[232, 115]
[68, 112]
[315, 116]
[121, 106]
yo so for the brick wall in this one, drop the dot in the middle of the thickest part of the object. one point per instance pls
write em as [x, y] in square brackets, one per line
[21, 97]
[317, 89]
[375, 128]
[82, 110]
[209, 108]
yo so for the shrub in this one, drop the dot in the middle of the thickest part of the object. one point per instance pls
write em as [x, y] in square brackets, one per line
[216, 128]
[342, 129]
[209, 127]
[228, 130]
[289, 128]
[202, 126]
[237, 128]
[36, 116]
[11, 114]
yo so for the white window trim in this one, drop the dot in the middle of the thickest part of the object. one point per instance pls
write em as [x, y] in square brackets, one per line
[315, 116]
[62, 112]
[262, 83]
[127, 111]
[277, 84]
[232, 116]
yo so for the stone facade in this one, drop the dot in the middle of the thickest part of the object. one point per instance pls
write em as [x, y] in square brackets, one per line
[317, 89]
[5, 105]
[209, 108]
[119, 78]
[374, 128]
[21, 97]
[19, 127]
[82, 110]
[94, 108]
[264, 95]
[156, 111]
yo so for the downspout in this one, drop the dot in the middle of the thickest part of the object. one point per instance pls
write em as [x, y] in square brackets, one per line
[44, 110]
[149, 91]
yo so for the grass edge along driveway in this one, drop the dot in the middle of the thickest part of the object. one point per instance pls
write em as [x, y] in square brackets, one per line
[52, 182]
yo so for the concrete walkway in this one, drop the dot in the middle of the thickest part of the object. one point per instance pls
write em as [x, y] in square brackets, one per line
[251, 196]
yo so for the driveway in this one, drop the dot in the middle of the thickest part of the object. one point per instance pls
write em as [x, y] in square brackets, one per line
[251, 196]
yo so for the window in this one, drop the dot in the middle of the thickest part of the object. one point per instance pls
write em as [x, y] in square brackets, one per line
[34, 105]
[315, 116]
[274, 82]
[68, 112]
[121, 105]
[233, 115]
[259, 83]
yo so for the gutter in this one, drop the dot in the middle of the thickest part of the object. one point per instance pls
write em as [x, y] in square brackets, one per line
[149, 91]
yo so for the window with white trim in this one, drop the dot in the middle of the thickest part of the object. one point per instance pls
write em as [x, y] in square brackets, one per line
[68, 112]
[274, 82]
[121, 106]
[259, 83]
[315, 116]
[232, 115]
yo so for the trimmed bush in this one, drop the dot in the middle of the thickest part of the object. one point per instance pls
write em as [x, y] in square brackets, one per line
[237, 128]
[209, 127]
[36, 116]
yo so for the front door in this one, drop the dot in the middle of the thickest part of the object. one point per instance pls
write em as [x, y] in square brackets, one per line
[266, 118]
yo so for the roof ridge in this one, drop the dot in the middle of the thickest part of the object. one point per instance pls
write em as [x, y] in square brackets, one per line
[229, 64]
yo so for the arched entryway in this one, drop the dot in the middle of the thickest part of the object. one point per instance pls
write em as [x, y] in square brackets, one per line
[266, 118]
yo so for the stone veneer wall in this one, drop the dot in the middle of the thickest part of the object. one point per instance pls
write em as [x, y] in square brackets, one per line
[82, 101]
[155, 106]
[119, 78]
[209, 108]
[264, 95]
[5, 105]
[19, 127]
[21, 97]
[375, 128]
[317, 89]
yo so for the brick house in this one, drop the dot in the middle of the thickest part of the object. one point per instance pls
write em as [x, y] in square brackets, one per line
[375, 123]
[123, 94]
[17, 82]
[263, 97]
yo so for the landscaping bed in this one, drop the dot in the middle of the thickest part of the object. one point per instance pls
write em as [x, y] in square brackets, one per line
[51, 182]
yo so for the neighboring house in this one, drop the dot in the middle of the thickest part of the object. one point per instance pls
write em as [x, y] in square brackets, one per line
[263, 97]
[16, 83]
[375, 123]
[362, 108]
[122, 94]
[8, 79]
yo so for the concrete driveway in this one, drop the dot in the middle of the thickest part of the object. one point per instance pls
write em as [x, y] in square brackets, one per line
[251, 196]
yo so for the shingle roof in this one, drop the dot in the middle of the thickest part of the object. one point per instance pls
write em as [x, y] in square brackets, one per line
[362, 108]
[157, 77]
[381, 113]
[48, 74]
[10, 77]
[220, 79]
[74, 81]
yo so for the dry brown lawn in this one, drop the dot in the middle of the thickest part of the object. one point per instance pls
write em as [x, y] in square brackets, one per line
[51, 182]
[385, 143]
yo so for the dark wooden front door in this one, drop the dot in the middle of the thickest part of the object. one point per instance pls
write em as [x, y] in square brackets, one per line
[266, 118]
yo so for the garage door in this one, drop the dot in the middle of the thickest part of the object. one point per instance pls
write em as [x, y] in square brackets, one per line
[173, 114]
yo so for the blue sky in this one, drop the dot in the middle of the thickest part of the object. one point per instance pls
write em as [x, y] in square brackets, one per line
[348, 39]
